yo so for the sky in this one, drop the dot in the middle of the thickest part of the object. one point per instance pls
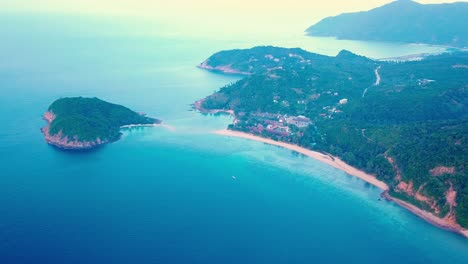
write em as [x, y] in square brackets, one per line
[209, 16]
[161, 7]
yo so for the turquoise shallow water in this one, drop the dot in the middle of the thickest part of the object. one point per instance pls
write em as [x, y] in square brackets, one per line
[164, 196]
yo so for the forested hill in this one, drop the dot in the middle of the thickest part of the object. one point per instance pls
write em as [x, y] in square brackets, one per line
[406, 123]
[401, 21]
[80, 123]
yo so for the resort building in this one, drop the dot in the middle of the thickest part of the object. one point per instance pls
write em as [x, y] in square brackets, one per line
[299, 121]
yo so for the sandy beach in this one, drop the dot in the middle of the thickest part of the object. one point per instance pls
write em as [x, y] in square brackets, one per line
[168, 127]
[341, 165]
[328, 159]
[140, 125]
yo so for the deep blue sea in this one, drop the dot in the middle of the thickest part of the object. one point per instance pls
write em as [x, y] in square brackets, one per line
[168, 195]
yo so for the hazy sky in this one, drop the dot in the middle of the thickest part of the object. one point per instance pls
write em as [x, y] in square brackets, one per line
[209, 15]
[156, 6]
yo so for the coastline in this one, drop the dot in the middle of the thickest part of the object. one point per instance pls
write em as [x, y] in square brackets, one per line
[341, 165]
[226, 69]
[444, 46]
[64, 142]
[141, 125]
[198, 106]
[428, 217]
[328, 159]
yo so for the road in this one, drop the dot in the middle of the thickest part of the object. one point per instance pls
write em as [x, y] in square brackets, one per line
[377, 81]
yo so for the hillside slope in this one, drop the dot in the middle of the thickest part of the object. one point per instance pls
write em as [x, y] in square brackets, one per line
[401, 21]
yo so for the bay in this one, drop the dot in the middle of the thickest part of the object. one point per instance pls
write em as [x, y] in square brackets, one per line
[168, 195]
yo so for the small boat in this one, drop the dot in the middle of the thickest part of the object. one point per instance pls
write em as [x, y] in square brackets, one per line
[234, 177]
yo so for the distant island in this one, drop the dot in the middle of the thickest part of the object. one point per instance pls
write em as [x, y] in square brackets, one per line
[401, 124]
[401, 21]
[84, 123]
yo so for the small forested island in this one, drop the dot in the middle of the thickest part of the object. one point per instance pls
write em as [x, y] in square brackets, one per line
[406, 123]
[84, 123]
[401, 21]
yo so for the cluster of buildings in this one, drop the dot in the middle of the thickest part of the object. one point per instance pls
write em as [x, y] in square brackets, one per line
[283, 125]
[331, 110]
[279, 125]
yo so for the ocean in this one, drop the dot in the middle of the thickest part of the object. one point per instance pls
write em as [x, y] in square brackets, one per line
[178, 194]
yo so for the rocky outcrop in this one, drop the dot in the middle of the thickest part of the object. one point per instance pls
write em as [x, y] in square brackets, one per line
[441, 170]
[449, 222]
[408, 189]
[198, 105]
[65, 142]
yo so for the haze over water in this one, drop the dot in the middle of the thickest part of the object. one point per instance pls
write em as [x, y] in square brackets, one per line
[169, 196]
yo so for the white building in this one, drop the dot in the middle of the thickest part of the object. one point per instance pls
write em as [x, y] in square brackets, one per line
[343, 101]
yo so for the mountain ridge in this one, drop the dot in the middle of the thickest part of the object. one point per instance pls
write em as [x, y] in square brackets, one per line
[400, 21]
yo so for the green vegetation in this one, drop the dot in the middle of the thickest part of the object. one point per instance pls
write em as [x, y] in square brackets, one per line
[88, 119]
[413, 121]
[401, 21]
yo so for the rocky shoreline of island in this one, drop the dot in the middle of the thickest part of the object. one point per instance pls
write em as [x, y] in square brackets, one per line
[64, 142]
[79, 123]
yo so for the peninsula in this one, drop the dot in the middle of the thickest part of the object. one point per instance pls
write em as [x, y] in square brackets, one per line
[84, 123]
[401, 126]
